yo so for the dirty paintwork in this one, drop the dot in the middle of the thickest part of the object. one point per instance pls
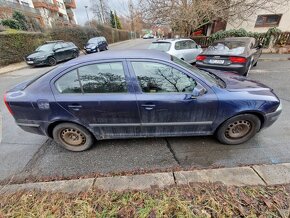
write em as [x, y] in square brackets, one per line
[36, 107]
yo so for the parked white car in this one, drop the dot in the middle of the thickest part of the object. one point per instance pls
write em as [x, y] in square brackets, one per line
[185, 49]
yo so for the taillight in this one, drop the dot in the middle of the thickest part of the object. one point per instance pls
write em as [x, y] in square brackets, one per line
[7, 104]
[239, 60]
[200, 58]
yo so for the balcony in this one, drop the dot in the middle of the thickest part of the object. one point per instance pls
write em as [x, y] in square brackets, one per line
[45, 4]
[14, 5]
[70, 4]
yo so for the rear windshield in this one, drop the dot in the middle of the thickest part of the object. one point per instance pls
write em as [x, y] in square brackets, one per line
[227, 47]
[161, 46]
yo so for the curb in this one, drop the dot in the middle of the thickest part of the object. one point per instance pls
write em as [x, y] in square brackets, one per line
[237, 176]
[274, 59]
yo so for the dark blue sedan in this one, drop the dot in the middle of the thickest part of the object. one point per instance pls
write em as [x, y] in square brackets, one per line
[140, 93]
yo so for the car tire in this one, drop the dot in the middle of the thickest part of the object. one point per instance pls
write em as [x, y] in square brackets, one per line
[238, 129]
[98, 50]
[51, 61]
[72, 137]
[248, 70]
[255, 64]
[106, 48]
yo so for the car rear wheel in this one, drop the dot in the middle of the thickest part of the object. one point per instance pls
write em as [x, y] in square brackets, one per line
[106, 48]
[52, 61]
[73, 137]
[238, 129]
[98, 50]
[255, 64]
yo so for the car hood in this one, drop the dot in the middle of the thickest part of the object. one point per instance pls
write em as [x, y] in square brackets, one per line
[235, 82]
[38, 54]
[91, 45]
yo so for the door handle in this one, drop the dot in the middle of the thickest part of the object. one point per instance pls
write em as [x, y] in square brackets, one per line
[148, 107]
[75, 107]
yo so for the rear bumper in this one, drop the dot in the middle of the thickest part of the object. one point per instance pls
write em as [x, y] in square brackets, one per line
[36, 128]
[237, 68]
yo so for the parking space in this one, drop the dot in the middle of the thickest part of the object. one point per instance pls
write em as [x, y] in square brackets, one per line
[25, 155]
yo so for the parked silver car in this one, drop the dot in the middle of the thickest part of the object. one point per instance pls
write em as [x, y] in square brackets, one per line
[185, 49]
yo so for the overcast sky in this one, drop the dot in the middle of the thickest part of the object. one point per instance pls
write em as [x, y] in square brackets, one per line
[119, 5]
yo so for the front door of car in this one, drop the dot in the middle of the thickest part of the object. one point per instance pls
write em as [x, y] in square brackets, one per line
[59, 52]
[99, 97]
[166, 101]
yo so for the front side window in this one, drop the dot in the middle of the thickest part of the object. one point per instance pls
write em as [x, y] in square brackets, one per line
[160, 78]
[94, 78]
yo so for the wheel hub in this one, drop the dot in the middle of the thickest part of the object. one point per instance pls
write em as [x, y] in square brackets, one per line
[72, 137]
[238, 129]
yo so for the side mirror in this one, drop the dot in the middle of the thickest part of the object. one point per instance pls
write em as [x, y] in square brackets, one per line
[199, 90]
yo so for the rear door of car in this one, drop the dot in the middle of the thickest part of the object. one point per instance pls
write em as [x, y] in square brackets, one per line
[164, 98]
[101, 97]
[59, 52]
[68, 50]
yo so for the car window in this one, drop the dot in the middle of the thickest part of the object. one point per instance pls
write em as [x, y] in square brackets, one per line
[103, 78]
[46, 47]
[65, 45]
[69, 83]
[58, 46]
[160, 46]
[160, 78]
[227, 47]
[181, 45]
[191, 44]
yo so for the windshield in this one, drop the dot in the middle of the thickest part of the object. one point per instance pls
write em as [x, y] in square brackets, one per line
[227, 47]
[46, 47]
[93, 40]
[161, 46]
[212, 78]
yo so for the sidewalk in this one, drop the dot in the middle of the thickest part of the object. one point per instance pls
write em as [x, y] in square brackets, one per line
[238, 176]
[274, 57]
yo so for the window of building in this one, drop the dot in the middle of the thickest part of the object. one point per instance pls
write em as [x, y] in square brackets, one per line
[270, 20]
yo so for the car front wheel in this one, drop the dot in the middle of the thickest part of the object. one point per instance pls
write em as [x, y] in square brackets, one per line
[238, 129]
[73, 137]
[52, 61]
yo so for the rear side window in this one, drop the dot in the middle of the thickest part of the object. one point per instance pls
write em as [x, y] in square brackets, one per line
[181, 45]
[94, 78]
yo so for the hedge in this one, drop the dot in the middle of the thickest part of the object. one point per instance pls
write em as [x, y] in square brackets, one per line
[15, 45]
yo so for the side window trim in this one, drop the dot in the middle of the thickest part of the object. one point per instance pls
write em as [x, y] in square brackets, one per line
[127, 76]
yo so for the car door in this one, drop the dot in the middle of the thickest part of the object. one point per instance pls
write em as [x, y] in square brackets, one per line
[59, 52]
[164, 98]
[193, 50]
[100, 97]
[68, 51]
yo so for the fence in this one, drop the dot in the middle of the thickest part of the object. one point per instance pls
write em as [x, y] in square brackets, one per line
[278, 39]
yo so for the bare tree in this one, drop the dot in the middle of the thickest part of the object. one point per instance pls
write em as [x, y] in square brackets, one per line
[101, 11]
[186, 15]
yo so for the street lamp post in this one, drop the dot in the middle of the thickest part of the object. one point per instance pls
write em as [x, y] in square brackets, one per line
[88, 16]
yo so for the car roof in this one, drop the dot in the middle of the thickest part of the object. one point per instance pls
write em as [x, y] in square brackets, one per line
[171, 40]
[121, 54]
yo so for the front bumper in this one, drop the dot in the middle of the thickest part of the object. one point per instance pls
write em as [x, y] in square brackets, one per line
[36, 62]
[271, 118]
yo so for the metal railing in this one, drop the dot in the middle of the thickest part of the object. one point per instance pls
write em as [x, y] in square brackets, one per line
[17, 6]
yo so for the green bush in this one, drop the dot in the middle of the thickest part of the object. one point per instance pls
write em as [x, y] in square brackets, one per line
[11, 23]
[15, 45]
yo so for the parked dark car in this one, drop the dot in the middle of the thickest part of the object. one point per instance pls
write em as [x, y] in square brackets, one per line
[96, 44]
[140, 93]
[148, 36]
[237, 54]
[52, 52]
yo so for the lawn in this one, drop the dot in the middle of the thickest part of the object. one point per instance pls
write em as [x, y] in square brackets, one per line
[195, 200]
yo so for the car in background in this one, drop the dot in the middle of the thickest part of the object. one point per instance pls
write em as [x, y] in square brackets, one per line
[52, 52]
[236, 54]
[185, 49]
[140, 93]
[96, 44]
[148, 36]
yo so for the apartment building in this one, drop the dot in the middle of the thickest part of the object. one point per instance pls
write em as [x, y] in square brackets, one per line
[46, 12]
[56, 12]
[7, 8]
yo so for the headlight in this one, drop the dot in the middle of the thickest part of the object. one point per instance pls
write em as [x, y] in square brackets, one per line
[280, 107]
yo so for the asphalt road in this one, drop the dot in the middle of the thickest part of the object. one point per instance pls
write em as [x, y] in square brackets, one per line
[24, 155]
